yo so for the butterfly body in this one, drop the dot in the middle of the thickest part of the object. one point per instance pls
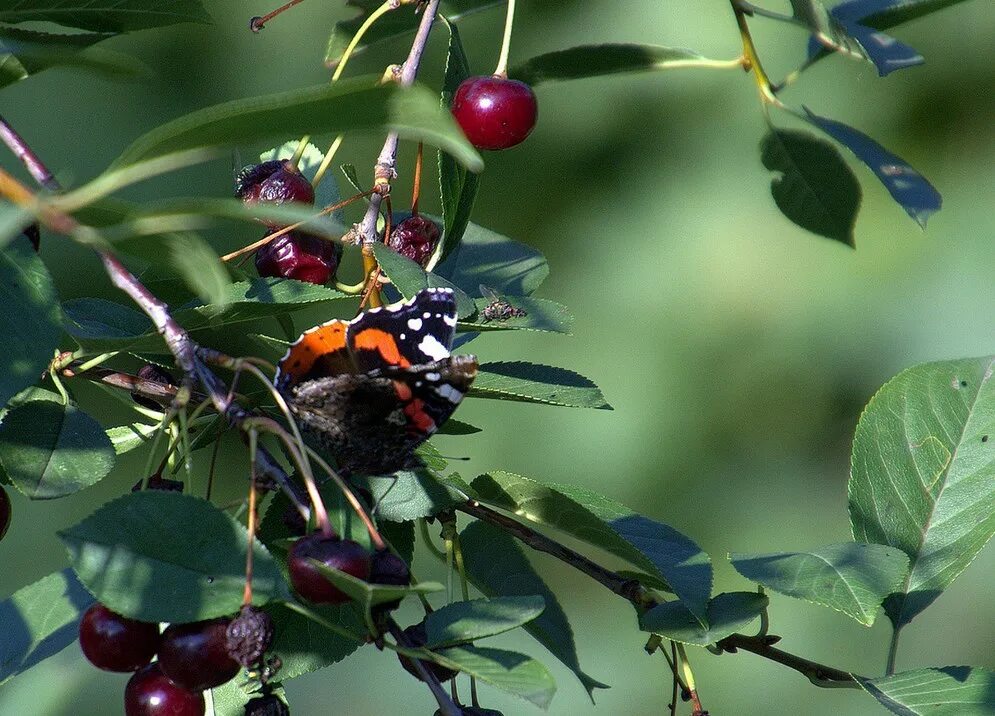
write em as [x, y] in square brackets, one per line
[371, 390]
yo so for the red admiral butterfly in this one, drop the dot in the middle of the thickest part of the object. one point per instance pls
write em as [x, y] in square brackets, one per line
[373, 389]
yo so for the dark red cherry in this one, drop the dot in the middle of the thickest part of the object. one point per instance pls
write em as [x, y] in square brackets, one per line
[150, 693]
[115, 643]
[268, 705]
[415, 237]
[273, 182]
[417, 636]
[5, 511]
[342, 554]
[495, 112]
[387, 568]
[299, 256]
[195, 656]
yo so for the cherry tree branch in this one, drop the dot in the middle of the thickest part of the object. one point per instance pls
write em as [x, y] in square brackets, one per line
[386, 166]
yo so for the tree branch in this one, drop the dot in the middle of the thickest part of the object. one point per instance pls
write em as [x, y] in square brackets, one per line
[818, 674]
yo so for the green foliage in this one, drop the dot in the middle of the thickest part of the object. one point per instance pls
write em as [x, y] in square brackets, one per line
[922, 475]
[110, 16]
[161, 556]
[853, 578]
[488, 258]
[531, 383]
[24, 53]
[727, 613]
[950, 691]
[409, 278]
[540, 315]
[815, 188]
[514, 673]
[464, 622]
[50, 450]
[597, 60]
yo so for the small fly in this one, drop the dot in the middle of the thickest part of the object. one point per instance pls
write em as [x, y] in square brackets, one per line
[498, 309]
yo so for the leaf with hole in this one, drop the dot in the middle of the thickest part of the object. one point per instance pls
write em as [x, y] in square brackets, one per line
[727, 614]
[534, 383]
[815, 188]
[497, 566]
[922, 476]
[50, 450]
[853, 578]
[165, 557]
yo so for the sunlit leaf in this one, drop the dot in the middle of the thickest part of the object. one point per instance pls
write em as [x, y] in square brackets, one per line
[485, 257]
[597, 60]
[727, 613]
[923, 475]
[534, 383]
[509, 671]
[945, 691]
[409, 278]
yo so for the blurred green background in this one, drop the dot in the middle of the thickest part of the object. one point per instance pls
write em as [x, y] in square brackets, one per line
[736, 349]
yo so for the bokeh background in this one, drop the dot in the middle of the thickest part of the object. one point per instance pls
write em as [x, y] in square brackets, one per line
[736, 349]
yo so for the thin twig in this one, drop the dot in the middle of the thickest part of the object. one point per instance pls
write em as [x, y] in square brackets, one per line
[446, 704]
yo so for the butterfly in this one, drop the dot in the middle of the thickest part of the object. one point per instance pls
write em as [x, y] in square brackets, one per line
[373, 389]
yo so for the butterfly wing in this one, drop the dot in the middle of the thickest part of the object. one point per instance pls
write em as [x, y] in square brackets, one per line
[320, 351]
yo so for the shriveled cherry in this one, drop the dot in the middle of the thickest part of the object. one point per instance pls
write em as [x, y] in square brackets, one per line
[115, 643]
[418, 636]
[342, 554]
[495, 112]
[415, 237]
[5, 511]
[195, 656]
[273, 182]
[299, 256]
[150, 693]
[249, 635]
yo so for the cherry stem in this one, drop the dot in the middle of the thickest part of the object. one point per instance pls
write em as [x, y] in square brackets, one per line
[258, 23]
[367, 24]
[502, 65]
[251, 520]
[375, 536]
[446, 704]
[327, 161]
[416, 190]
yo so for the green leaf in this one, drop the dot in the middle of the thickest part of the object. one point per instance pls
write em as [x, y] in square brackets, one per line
[540, 315]
[99, 326]
[162, 556]
[26, 52]
[393, 24]
[509, 671]
[350, 105]
[305, 647]
[923, 475]
[727, 613]
[258, 298]
[497, 567]
[908, 187]
[853, 578]
[125, 438]
[50, 450]
[458, 427]
[598, 60]
[546, 506]
[191, 257]
[485, 257]
[368, 595]
[230, 698]
[106, 15]
[13, 218]
[815, 189]
[39, 621]
[409, 494]
[29, 318]
[945, 691]
[534, 383]
[463, 622]
[458, 187]
[678, 559]
[409, 278]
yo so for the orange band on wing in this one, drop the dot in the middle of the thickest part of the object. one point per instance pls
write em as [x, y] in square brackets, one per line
[373, 339]
[311, 346]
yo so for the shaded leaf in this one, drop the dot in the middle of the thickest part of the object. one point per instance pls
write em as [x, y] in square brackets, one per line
[125, 438]
[907, 186]
[29, 318]
[885, 14]
[923, 475]
[509, 671]
[853, 578]
[409, 278]
[410, 494]
[350, 105]
[303, 646]
[40, 620]
[258, 298]
[497, 566]
[815, 189]
[366, 595]
[485, 257]
[192, 258]
[230, 699]
[463, 622]
[50, 450]
[106, 15]
[727, 613]
[163, 556]
[14, 219]
[99, 325]
[26, 52]
[534, 383]
[540, 315]
[944, 691]
[597, 60]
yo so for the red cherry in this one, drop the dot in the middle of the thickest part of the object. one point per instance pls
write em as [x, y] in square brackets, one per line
[387, 568]
[418, 636]
[495, 112]
[298, 256]
[115, 643]
[150, 693]
[5, 511]
[415, 237]
[273, 182]
[342, 554]
[195, 656]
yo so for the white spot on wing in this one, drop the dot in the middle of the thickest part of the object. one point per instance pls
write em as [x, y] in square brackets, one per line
[449, 393]
[414, 324]
[449, 320]
[427, 314]
[433, 377]
[431, 347]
